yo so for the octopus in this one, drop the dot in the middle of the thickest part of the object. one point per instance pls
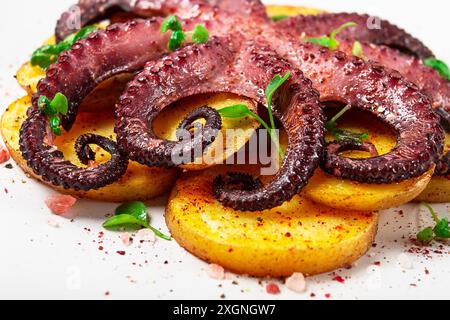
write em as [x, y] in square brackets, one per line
[387, 44]
[245, 51]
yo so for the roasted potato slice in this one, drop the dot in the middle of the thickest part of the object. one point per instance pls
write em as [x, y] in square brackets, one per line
[438, 190]
[299, 236]
[235, 133]
[352, 195]
[281, 11]
[139, 183]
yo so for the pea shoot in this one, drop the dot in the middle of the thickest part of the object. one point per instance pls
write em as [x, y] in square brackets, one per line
[59, 105]
[279, 17]
[240, 110]
[441, 230]
[439, 66]
[357, 50]
[199, 35]
[331, 42]
[341, 134]
[132, 216]
[48, 54]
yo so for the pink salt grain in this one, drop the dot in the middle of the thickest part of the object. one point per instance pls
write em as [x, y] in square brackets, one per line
[126, 239]
[60, 204]
[215, 271]
[4, 155]
[296, 282]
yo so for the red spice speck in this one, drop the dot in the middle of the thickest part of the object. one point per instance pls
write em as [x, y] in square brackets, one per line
[100, 248]
[312, 295]
[377, 263]
[122, 253]
[328, 295]
[288, 234]
[107, 293]
[339, 279]
[272, 288]
[427, 271]
[6, 191]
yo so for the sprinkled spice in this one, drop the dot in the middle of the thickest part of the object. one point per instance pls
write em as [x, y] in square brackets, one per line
[9, 166]
[328, 295]
[122, 253]
[272, 288]
[339, 279]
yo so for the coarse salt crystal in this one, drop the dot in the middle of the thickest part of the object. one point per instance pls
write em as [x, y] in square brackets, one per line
[4, 154]
[60, 204]
[296, 282]
[126, 238]
[215, 271]
[146, 235]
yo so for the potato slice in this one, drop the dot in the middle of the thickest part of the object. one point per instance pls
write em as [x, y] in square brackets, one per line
[139, 183]
[352, 195]
[236, 131]
[279, 11]
[299, 236]
[438, 190]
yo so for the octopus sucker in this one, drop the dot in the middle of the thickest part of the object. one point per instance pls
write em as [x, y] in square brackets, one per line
[370, 29]
[297, 107]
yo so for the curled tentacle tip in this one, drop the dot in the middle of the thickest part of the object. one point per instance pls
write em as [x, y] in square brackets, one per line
[337, 147]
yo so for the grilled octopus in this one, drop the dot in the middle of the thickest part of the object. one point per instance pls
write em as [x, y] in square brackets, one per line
[243, 54]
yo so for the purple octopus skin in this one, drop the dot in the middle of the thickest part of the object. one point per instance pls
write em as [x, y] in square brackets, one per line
[370, 29]
[239, 66]
[410, 66]
[89, 11]
[385, 94]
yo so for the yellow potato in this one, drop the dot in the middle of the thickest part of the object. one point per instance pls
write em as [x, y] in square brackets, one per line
[167, 122]
[299, 236]
[438, 190]
[347, 194]
[139, 183]
[278, 11]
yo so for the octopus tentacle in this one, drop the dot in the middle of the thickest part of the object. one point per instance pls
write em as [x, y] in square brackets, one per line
[370, 29]
[90, 11]
[226, 65]
[48, 162]
[336, 147]
[235, 180]
[251, 9]
[385, 94]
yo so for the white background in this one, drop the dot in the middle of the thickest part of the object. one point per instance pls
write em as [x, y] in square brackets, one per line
[39, 261]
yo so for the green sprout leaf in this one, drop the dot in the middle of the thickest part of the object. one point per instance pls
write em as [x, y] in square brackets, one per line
[55, 124]
[200, 34]
[279, 17]
[48, 54]
[439, 66]
[426, 235]
[441, 230]
[132, 216]
[60, 103]
[357, 50]
[171, 23]
[135, 208]
[176, 40]
[240, 110]
[331, 42]
[341, 134]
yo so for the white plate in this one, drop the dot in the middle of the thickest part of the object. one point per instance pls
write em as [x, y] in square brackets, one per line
[40, 261]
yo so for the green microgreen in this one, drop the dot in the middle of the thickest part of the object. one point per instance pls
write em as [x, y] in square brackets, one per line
[341, 134]
[441, 229]
[331, 42]
[439, 66]
[240, 110]
[279, 17]
[48, 54]
[59, 105]
[132, 216]
[199, 35]
[357, 50]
